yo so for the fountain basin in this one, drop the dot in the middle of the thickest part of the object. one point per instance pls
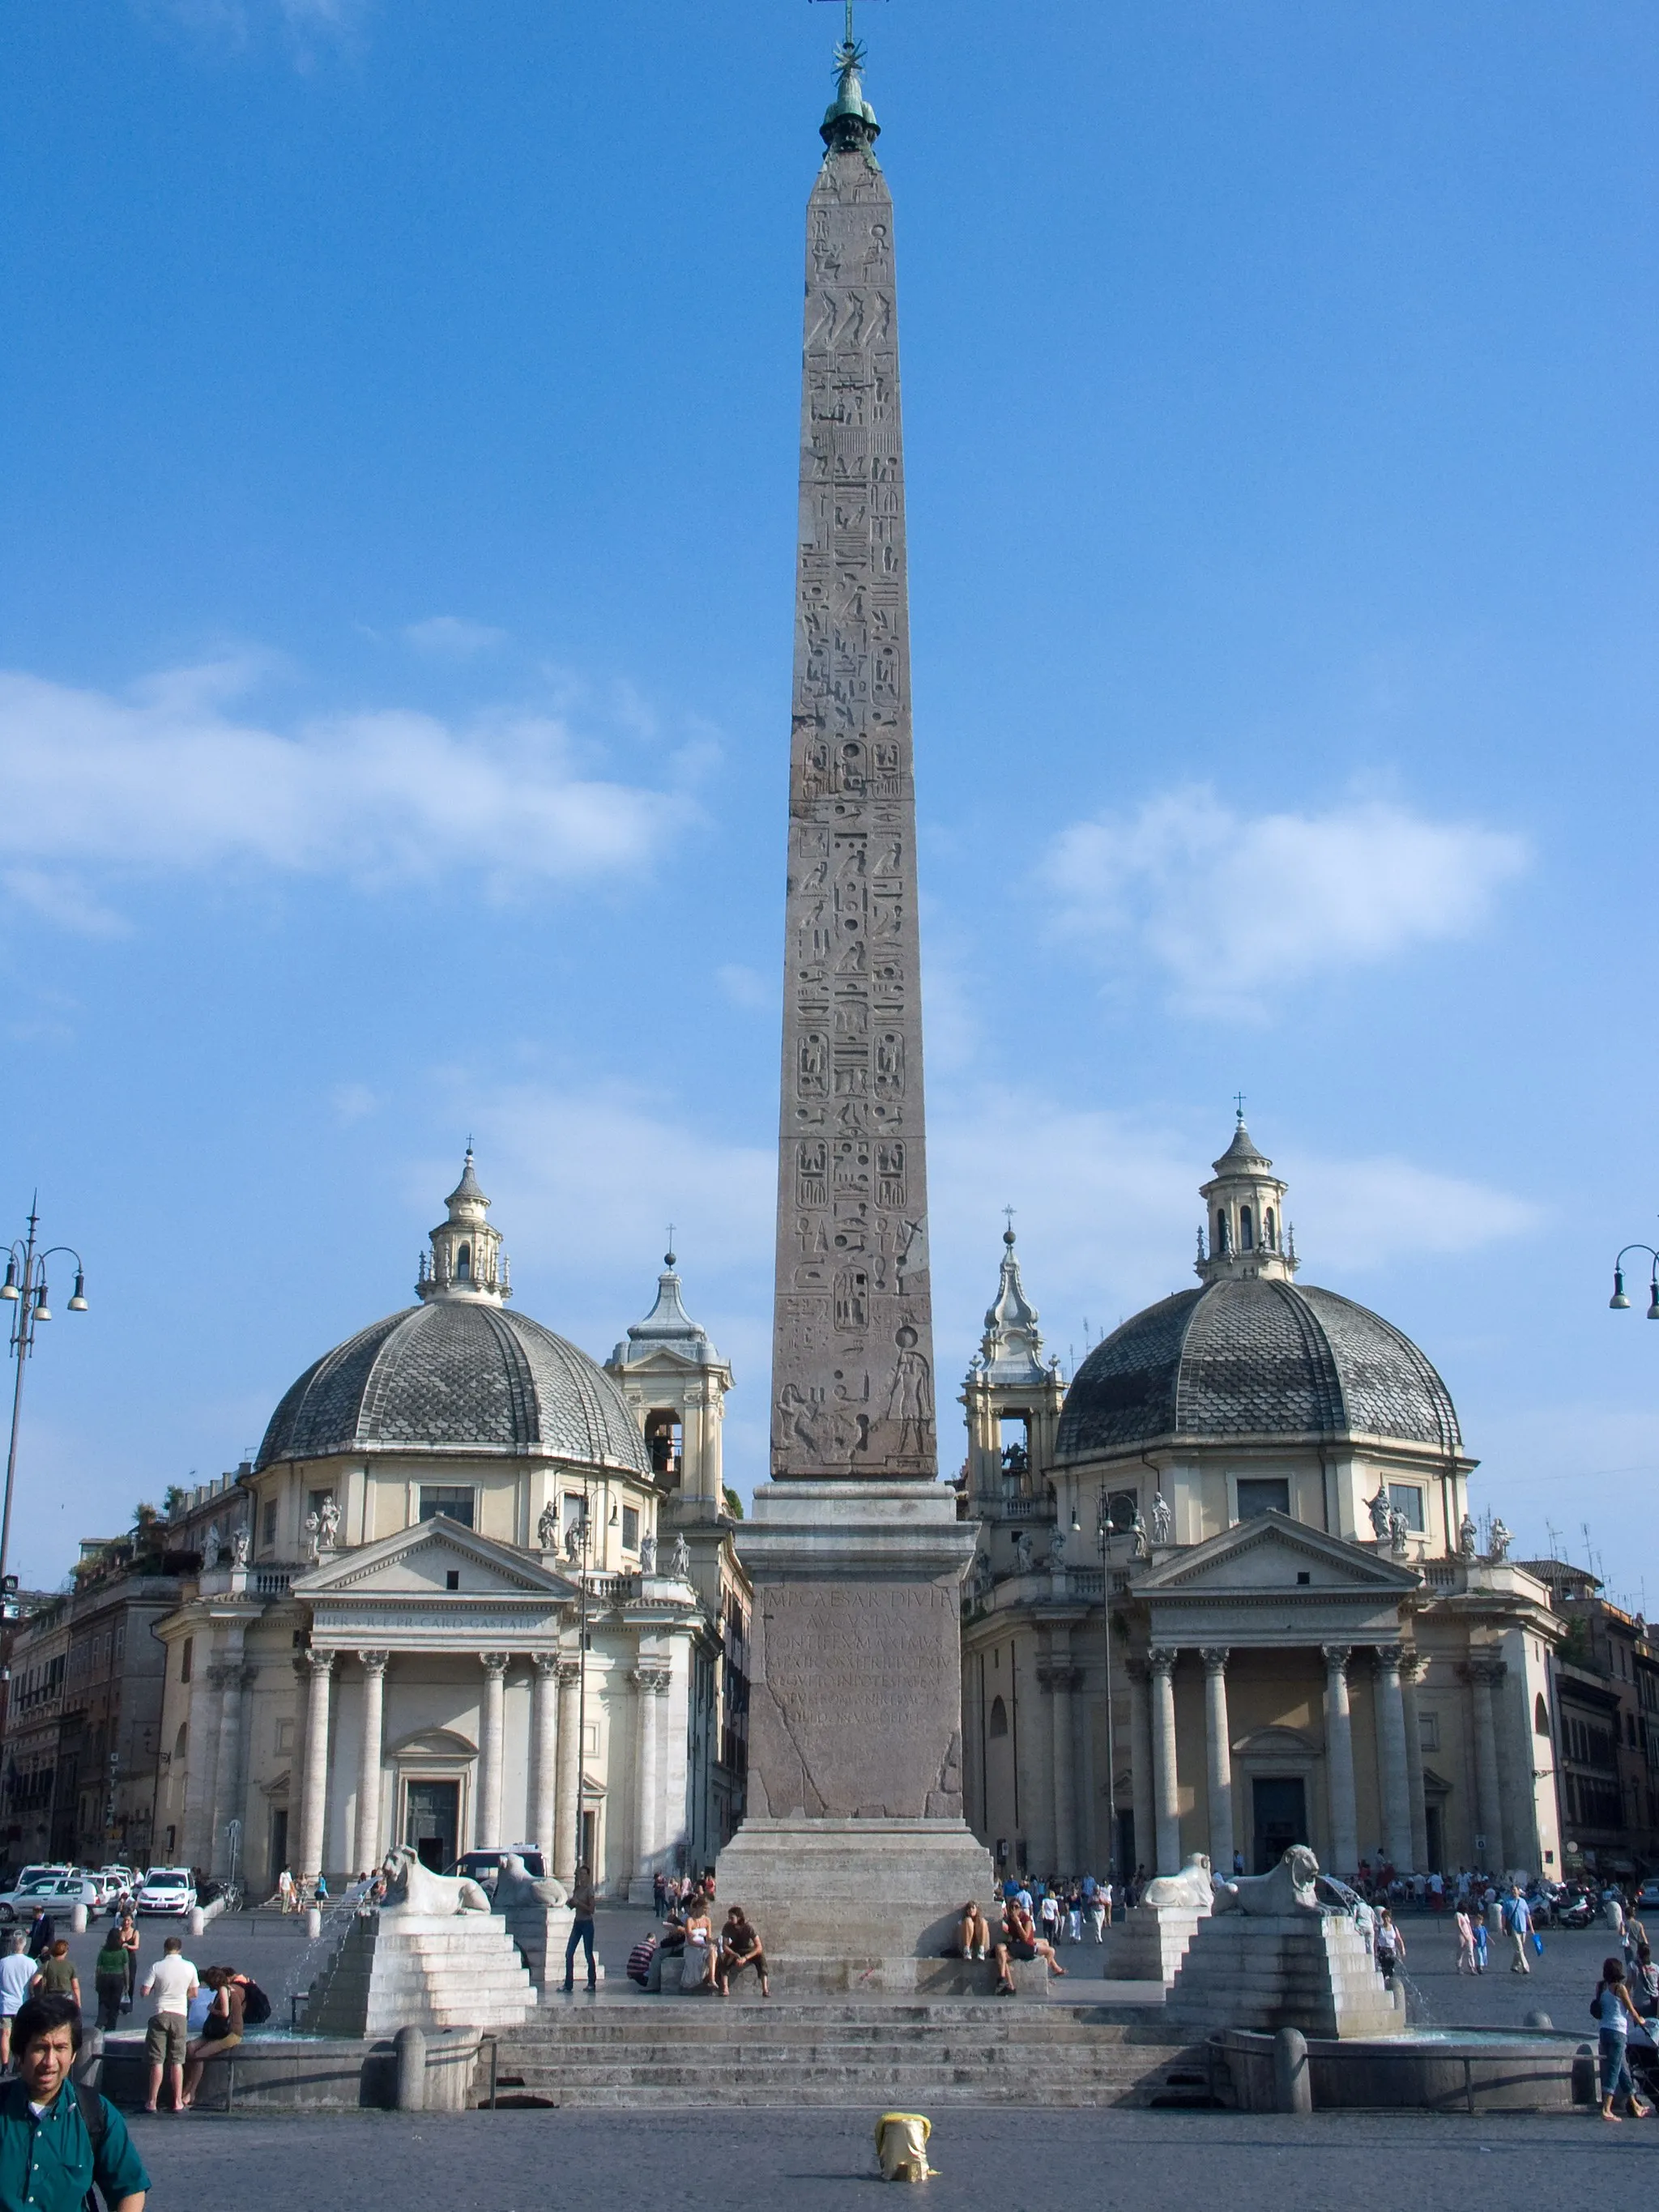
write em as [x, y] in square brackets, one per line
[1430, 2069]
[282, 2072]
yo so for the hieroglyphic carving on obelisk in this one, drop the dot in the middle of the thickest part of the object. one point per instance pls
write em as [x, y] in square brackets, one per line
[853, 1371]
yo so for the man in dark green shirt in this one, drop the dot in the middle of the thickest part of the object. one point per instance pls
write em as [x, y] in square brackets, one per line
[49, 2155]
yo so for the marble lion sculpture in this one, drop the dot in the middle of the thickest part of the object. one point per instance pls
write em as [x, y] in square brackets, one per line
[444, 1896]
[516, 1889]
[1190, 1889]
[1288, 1889]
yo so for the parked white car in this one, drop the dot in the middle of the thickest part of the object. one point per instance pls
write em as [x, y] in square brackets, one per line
[167, 1889]
[58, 1893]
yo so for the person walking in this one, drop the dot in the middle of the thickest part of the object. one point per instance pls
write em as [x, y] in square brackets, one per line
[1390, 1942]
[17, 1972]
[1465, 1942]
[42, 1933]
[109, 1979]
[171, 1982]
[57, 1976]
[581, 1929]
[1100, 1911]
[1613, 2012]
[1517, 1926]
[57, 2139]
[129, 1940]
[1481, 1944]
[285, 1898]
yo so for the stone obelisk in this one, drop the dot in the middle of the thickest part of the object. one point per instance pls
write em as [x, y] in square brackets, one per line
[854, 1855]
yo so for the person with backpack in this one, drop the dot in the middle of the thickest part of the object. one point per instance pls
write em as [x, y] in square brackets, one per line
[61, 2134]
[222, 2031]
[1612, 2011]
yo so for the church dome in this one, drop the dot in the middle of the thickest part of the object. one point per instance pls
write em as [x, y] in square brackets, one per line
[1251, 1356]
[456, 1378]
[458, 1372]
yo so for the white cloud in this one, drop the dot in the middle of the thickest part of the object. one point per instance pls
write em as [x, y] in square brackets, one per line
[1369, 1213]
[166, 778]
[452, 637]
[238, 23]
[352, 1101]
[746, 987]
[1234, 907]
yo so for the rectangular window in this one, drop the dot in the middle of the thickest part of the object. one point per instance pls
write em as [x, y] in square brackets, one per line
[1406, 1498]
[1428, 1727]
[268, 1526]
[630, 1528]
[455, 1505]
[187, 1658]
[1258, 1494]
[570, 1509]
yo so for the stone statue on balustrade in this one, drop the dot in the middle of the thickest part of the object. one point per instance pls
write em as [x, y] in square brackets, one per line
[647, 1555]
[1163, 1519]
[240, 1545]
[1143, 1549]
[212, 1549]
[1398, 1532]
[1381, 1513]
[1468, 1537]
[1022, 1552]
[547, 1528]
[1057, 1550]
[680, 1562]
[1500, 1540]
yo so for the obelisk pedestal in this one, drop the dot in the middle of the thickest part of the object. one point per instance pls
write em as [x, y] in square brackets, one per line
[853, 1859]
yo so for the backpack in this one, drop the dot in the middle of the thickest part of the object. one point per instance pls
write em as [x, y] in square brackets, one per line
[94, 2116]
[256, 2005]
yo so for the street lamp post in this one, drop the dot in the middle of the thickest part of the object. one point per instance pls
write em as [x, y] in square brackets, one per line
[1104, 1532]
[25, 1289]
[1619, 1301]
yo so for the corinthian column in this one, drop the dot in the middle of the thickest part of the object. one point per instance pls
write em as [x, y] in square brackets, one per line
[368, 1762]
[567, 1827]
[1339, 1763]
[314, 1801]
[543, 1736]
[491, 1736]
[1391, 1761]
[1167, 1806]
[1058, 1679]
[1484, 1677]
[1411, 1667]
[1219, 1759]
[1140, 1764]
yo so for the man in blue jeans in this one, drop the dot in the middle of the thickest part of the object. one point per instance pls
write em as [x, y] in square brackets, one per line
[581, 1929]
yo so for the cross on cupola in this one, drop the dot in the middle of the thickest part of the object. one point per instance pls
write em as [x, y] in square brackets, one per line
[466, 1261]
[1244, 1233]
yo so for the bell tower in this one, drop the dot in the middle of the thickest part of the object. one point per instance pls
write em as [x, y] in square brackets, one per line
[1244, 1233]
[466, 1261]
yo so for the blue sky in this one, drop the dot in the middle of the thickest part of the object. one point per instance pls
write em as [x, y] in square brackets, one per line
[398, 409]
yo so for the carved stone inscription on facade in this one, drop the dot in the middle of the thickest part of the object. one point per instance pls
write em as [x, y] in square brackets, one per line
[852, 1376]
[855, 1703]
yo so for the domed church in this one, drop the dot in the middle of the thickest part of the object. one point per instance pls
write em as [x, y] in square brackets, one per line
[476, 1590]
[1228, 1594]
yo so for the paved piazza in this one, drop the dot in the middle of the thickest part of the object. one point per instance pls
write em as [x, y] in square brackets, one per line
[1025, 2160]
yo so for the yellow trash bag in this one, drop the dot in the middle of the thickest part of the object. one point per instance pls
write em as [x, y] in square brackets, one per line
[902, 2146]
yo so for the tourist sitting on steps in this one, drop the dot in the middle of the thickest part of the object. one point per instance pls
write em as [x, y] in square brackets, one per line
[973, 1933]
[697, 1960]
[740, 1946]
[1020, 1940]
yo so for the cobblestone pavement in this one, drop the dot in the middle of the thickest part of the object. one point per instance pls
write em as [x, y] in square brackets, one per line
[1014, 2160]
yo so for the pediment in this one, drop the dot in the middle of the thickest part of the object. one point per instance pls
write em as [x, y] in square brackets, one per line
[1272, 1552]
[1275, 1743]
[418, 1561]
[434, 1743]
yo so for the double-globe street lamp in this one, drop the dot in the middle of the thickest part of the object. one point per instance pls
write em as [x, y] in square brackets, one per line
[1619, 1301]
[25, 1290]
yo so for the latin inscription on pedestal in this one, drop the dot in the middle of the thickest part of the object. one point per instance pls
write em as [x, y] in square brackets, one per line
[855, 1700]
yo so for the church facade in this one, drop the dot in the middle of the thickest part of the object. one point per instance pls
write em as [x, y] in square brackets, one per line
[1229, 1595]
[474, 1591]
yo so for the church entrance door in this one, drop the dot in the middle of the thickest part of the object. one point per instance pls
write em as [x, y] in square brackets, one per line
[1279, 1803]
[432, 1820]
